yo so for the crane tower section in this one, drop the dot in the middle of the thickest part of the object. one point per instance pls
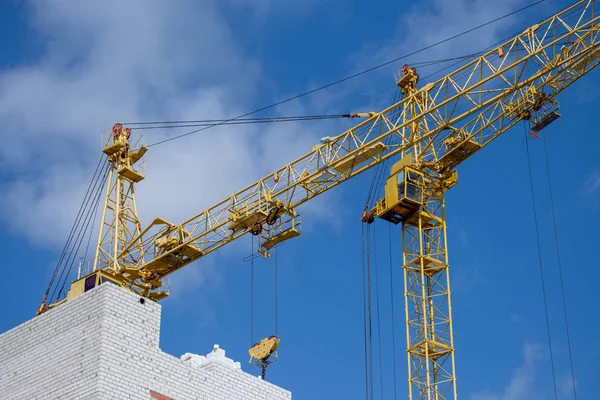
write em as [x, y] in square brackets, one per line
[519, 82]
[414, 197]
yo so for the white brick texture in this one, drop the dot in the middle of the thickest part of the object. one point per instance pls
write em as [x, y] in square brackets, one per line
[104, 345]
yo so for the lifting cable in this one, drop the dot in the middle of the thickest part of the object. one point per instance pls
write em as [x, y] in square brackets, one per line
[88, 218]
[252, 295]
[379, 169]
[77, 232]
[70, 236]
[368, 327]
[251, 259]
[482, 52]
[377, 307]
[539, 250]
[566, 18]
[393, 314]
[87, 247]
[562, 287]
[277, 291]
[366, 309]
[370, 312]
[347, 78]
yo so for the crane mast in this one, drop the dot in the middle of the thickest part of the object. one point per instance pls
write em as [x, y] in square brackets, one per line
[432, 130]
[120, 223]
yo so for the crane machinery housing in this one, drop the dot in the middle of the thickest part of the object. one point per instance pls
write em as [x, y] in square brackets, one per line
[430, 132]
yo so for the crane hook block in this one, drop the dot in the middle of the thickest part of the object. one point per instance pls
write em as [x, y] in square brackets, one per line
[264, 349]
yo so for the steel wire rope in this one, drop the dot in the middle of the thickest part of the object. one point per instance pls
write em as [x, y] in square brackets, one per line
[370, 313]
[429, 63]
[378, 311]
[91, 212]
[277, 291]
[80, 237]
[364, 287]
[76, 231]
[539, 251]
[75, 223]
[562, 288]
[392, 309]
[81, 232]
[379, 167]
[211, 124]
[240, 121]
[204, 122]
[87, 248]
[382, 166]
[353, 75]
[565, 18]
[423, 64]
[91, 232]
[252, 295]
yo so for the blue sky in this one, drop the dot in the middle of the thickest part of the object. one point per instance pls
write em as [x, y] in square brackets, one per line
[69, 70]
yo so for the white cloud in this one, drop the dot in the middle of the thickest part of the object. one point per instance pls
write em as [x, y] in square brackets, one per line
[521, 385]
[111, 61]
[592, 184]
[464, 237]
[515, 318]
[565, 385]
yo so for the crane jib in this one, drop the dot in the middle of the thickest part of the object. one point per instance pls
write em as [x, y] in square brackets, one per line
[446, 138]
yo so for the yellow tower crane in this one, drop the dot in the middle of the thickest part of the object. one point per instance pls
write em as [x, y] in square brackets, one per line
[432, 130]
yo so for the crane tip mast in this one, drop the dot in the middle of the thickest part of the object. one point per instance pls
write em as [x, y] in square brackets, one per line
[120, 226]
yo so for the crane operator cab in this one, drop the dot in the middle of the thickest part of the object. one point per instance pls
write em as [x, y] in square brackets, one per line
[403, 194]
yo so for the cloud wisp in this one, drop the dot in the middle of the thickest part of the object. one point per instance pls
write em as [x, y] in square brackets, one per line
[521, 385]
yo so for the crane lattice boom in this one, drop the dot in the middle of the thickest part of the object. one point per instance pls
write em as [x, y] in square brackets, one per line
[451, 119]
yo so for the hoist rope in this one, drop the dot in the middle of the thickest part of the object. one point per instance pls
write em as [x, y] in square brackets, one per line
[539, 251]
[252, 295]
[377, 307]
[347, 78]
[87, 247]
[81, 235]
[95, 176]
[365, 314]
[562, 287]
[379, 169]
[77, 232]
[370, 312]
[392, 307]
[277, 291]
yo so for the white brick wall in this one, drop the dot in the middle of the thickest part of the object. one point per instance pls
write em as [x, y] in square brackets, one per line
[104, 345]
